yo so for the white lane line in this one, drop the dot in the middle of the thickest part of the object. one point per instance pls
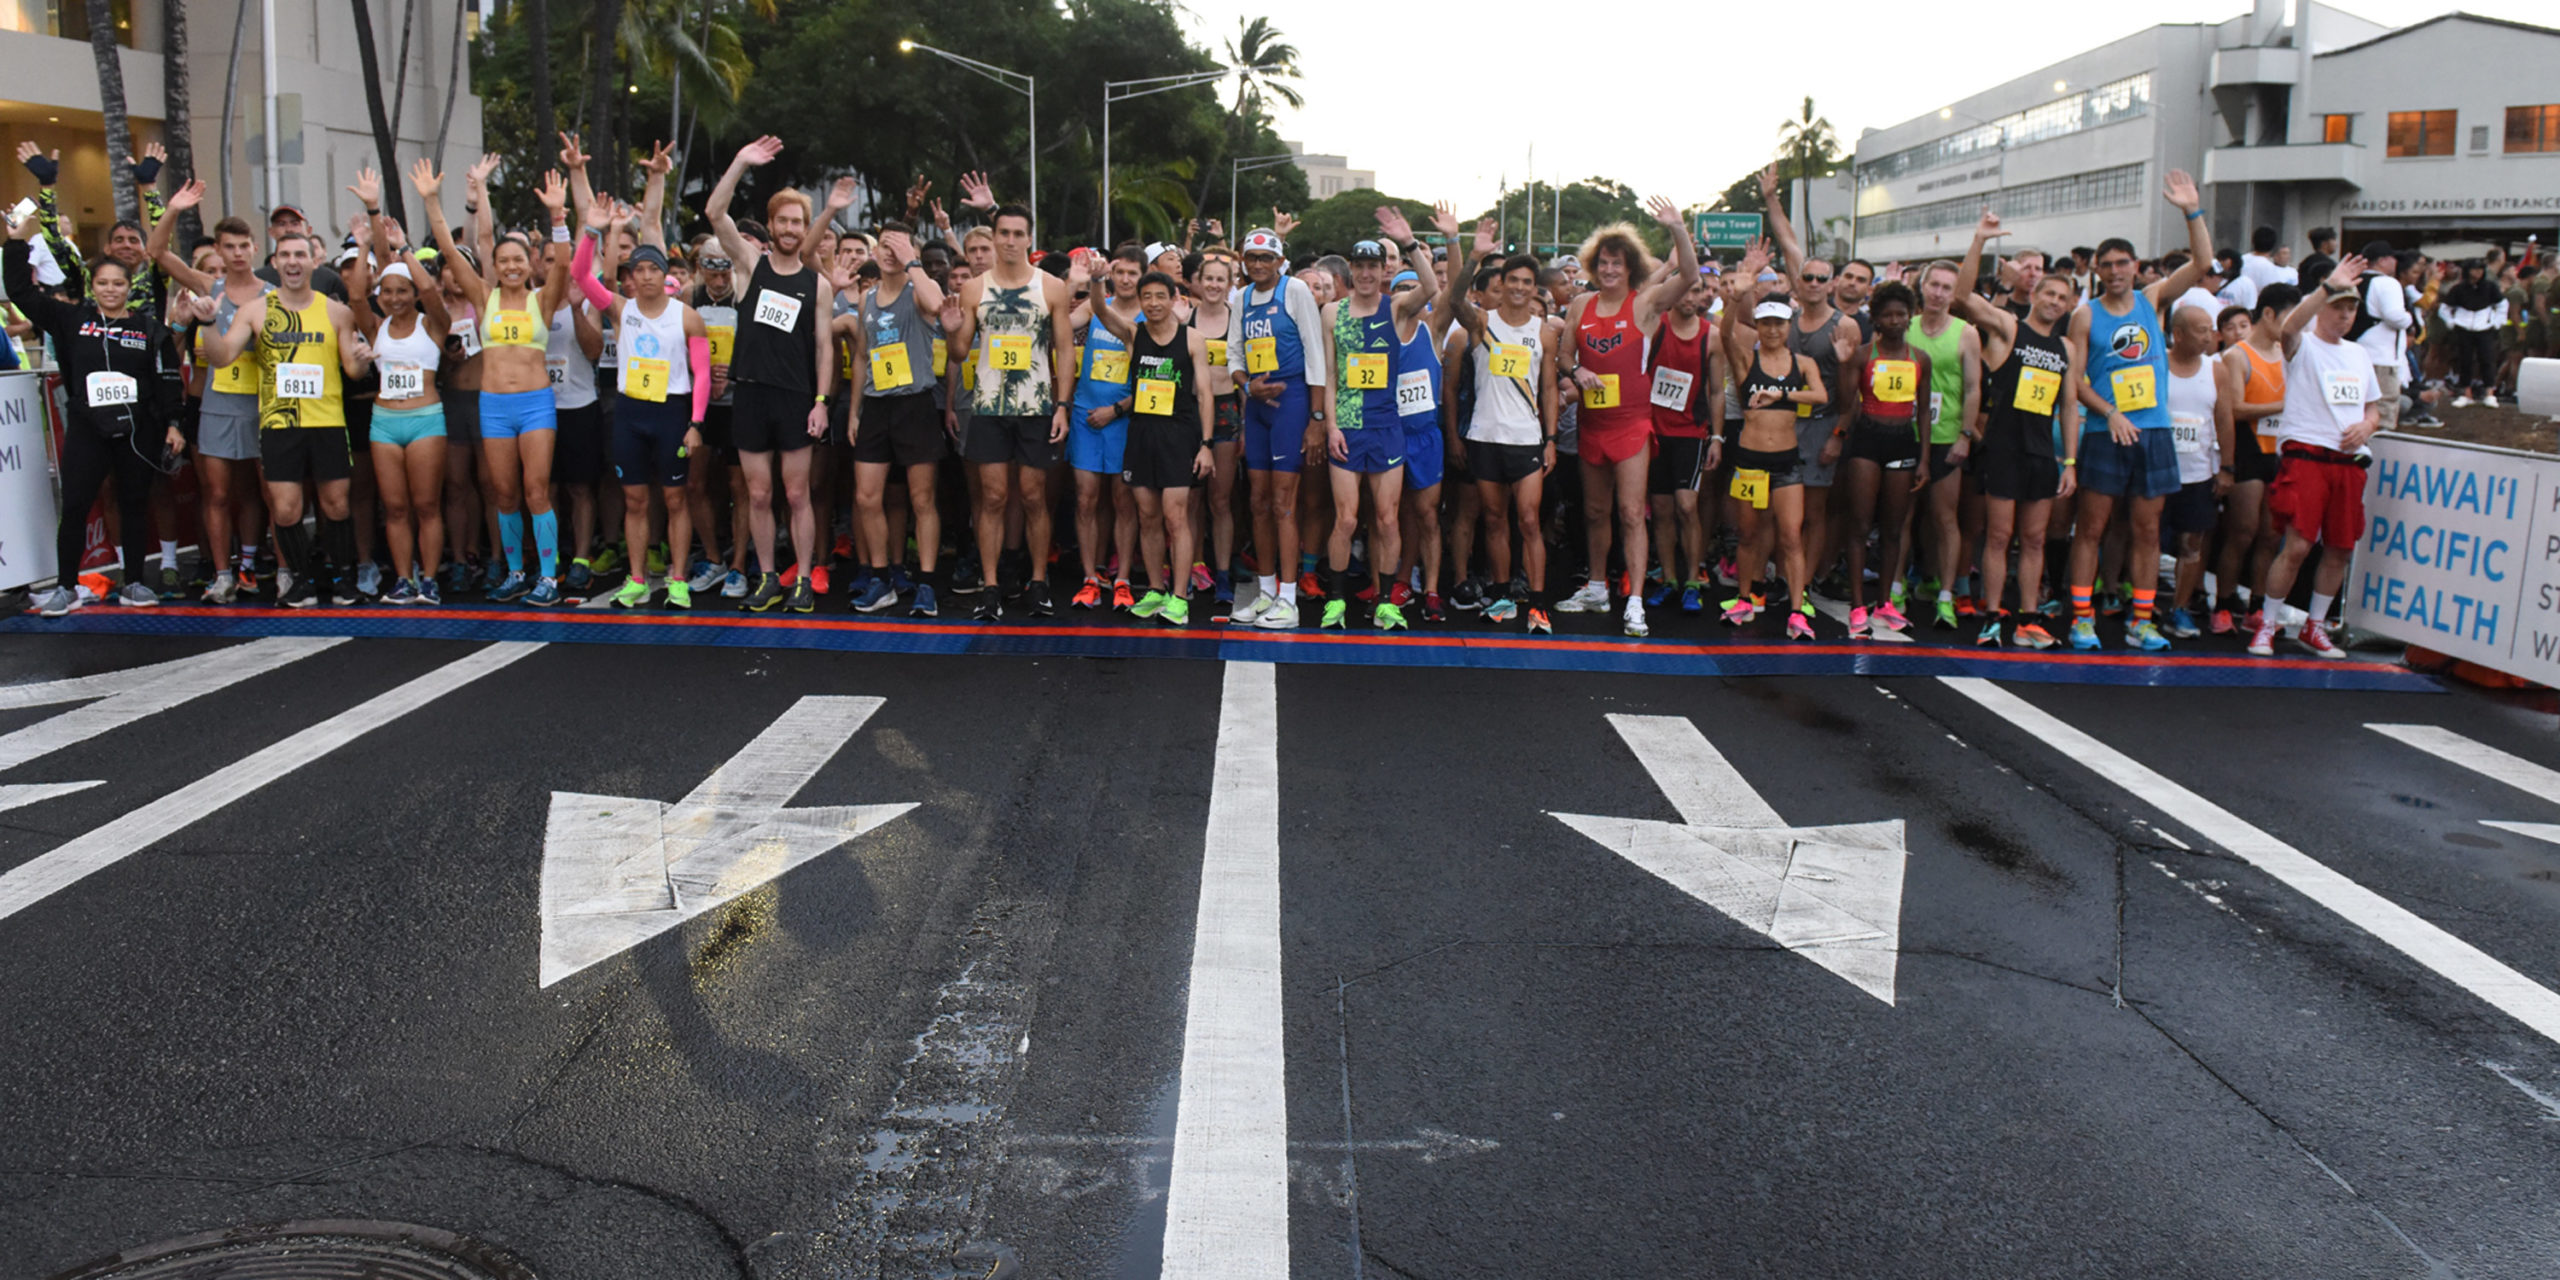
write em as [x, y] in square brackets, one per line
[33, 881]
[1697, 779]
[2466, 966]
[127, 696]
[2479, 757]
[27, 793]
[2538, 830]
[1227, 1210]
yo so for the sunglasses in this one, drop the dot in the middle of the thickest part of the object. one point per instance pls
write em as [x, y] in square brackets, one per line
[1368, 249]
[715, 264]
[1815, 279]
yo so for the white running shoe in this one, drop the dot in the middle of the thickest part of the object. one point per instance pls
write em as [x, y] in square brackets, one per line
[1635, 617]
[1592, 598]
[1281, 616]
[1251, 614]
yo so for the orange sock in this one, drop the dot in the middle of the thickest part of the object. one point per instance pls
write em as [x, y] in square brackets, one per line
[2084, 602]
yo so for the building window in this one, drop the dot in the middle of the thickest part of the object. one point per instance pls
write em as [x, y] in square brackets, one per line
[2337, 129]
[2107, 104]
[2099, 189]
[2420, 133]
[2534, 128]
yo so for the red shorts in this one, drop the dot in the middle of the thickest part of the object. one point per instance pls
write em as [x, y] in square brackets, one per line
[2318, 498]
[1610, 445]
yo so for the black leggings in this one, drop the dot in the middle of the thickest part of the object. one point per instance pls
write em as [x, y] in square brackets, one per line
[88, 460]
[2475, 358]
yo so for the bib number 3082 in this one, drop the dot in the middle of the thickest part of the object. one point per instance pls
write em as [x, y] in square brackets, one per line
[780, 310]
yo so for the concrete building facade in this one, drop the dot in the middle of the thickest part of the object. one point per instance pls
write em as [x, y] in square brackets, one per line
[1330, 175]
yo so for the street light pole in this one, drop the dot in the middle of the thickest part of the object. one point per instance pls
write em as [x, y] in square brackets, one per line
[1123, 90]
[1008, 78]
[1243, 163]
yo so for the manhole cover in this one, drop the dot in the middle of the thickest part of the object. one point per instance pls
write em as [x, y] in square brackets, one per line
[319, 1250]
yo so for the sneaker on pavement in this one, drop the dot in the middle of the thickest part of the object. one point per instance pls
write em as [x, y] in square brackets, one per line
[403, 592]
[545, 593]
[2032, 635]
[1632, 620]
[2145, 635]
[1539, 623]
[1251, 611]
[1387, 617]
[580, 579]
[1738, 611]
[922, 604]
[1149, 605]
[137, 596]
[873, 596]
[1592, 598]
[1281, 616]
[1310, 586]
[734, 586]
[2222, 624]
[2084, 633]
[1943, 617]
[57, 602]
[368, 579]
[1799, 624]
[633, 593]
[2262, 640]
[1177, 612]
[990, 607]
[2314, 636]
[1122, 597]
[767, 596]
[706, 577]
[1088, 596]
[1035, 600]
[1468, 596]
[1335, 612]
[2181, 625]
[1858, 622]
[516, 586]
[1431, 610]
[1989, 637]
[429, 593]
[224, 588]
[804, 598]
[1693, 597]
[1889, 617]
[679, 595]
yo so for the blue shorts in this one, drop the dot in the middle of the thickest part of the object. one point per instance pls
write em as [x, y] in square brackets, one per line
[1091, 448]
[1370, 451]
[504, 415]
[2148, 469]
[648, 440]
[401, 428]
[1422, 444]
[1275, 431]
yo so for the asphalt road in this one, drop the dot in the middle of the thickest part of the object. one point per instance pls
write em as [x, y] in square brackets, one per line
[2110, 1044]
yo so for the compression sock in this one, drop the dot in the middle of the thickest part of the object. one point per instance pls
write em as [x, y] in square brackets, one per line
[293, 546]
[338, 538]
[546, 541]
[511, 538]
[2142, 599]
[2084, 602]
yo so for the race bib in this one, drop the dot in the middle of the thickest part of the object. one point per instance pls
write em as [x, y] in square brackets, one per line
[1009, 352]
[724, 337]
[1751, 487]
[1803, 410]
[298, 381]
[1365, 371]
[645, 379]
[941, 357]
[1671, 388]
[403, 381]
[1512, 360]
[889, 369]
[2343, 389]
[1154, 396]
[511, 328]
[1937, 407]
[1413, 394]
[2187, 430]
[608, 356]
[1111, 366]
[106, 389]
[2037, 391]
[1604, 396]
[1897, 381]
[1262, 355]
[779, 310]
[2270, 434]
[2134, 388]
[1217, 350]
[558, 368]
[469, 332]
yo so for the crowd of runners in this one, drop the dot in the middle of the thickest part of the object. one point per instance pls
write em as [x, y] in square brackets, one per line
[930, 416]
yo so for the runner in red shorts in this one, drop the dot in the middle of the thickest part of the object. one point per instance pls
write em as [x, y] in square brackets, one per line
[2332, 405]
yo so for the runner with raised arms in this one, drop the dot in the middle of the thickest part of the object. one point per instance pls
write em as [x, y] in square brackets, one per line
[407, 333]
[2031, 413]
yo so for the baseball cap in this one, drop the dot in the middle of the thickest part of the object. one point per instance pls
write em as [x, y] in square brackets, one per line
[1158, 250]
[1262, 240]
[1772, 310]
[285, 211]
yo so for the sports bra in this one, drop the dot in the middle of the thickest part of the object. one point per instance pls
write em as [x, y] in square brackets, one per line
[1759, 380]
[517, 328]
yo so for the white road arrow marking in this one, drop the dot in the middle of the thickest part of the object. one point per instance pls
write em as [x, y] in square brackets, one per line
[119, 698]
[1832, 894]
[618, 871]
[2489, 762]
[27, 793]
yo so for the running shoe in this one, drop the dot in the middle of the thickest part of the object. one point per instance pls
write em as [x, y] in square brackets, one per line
[2084, 633]
[1739, 610]
[1310, 586]
[2032, 635]
[1223, 590]
[1501, 610]
[428, 594]
[2222, 624]
[1592, 598]
[734, 585]
[580, 579]
[1400, 596]
[1889, 616]
[633, 594]
[1468, 596]
[516, 587]
[295, 595]
[2145, 635]
[874, 596]
[1388, 617]
[57, 602]
[606, 561]
[1944, 616]
[706, 577]
[1989, 637]
[1539, 624]
[224, 589]
[804, 599]
[1088, 596]
[990, 607]
[922, 604]
[679, 595]
[2489, 399]
[1519, 588]
[818, 581]
[1335, 611]
[545, 593]
[403, 592]
[1251, 612]
[1036, 602]
[1966, 606]
[1177, 612]
[2181, 625]
[283, 580]
[1858, 622]
[1800, 624]
[170, 583]
[2314, 636]
[1200, 579]
[1150, 604]
[368, 579]
[1693, 596]
[1727, 573]
[2262, 640]
[1656, 590]
[898, 579]
[1281, 616]
[655, 561]
[1431, 611]
[790, 576]
[767, 596]
[342, 590]
[1633, 619]
[247, 574]
[1122, 597]
[964, 577]
[137, 596]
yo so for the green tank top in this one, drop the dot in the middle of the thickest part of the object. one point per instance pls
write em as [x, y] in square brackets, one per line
[1946, 378]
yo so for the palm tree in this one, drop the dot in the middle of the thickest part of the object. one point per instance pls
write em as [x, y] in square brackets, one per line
[177, 133]
[1809, 141]
[1150, 199]
[102, 45]
[385, 142]
[1265, 63]
[538, 38]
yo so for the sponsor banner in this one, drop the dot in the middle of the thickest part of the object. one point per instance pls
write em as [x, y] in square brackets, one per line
[2461, 554]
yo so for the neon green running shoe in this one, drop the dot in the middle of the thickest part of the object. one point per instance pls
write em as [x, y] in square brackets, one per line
[1334, 612]
[1389, 617]
[657, 560]
[1177, 612]
[1945, 617]
[633, 595]
[679, 594]
[606, 562]
[1150, 604]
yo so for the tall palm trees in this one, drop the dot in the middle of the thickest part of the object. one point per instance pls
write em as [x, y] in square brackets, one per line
[175, 131]
[1808, 140]
[102, 45]
[1266, 64]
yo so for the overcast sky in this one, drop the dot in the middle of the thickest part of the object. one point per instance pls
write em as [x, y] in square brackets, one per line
[1644, 121]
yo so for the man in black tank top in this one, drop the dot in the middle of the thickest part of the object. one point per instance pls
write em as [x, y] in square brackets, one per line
[781, 371]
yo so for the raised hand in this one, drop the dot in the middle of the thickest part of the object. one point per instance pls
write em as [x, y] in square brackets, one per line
[761, 151]
[367, 189]
[424, 179]
[480, 170]
[1989, 227]
[1078, 270]
[2181, 191]
[1488, 238]
[2349, 268]
[916, 194]
[599, 215]
[1755, 257]
[941, 218]
[554, 192]
[839, 197]
[571, 155]
[662, 159]
[1282, 224]
[1392, 224]
[1769, 188]
[1444, 220]
[1663, 211]
[154, 151]
[188, 196]
[974, 191]
[1214, 229]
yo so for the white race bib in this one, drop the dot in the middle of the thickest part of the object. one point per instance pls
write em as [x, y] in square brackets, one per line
[1671, 388]
[298, 381]
[2343, 389]
[469, 332]
[557, 367]
[403, 381]
[607, 356]
[1413, 394]
[780, 310]
[2187, 430]
[107, 389]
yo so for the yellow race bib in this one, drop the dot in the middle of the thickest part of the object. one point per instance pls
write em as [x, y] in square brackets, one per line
[2037, 390]
[1111, 366]
[645, 379]
[1262, 355]
[1511, 360]
[1217, 350]
[1365, 371]
[941, 357]
[1154, 396]
[1009, 352]
[1751, 487]
[1897, 381]
[1604, 396]
[2134, 388]
[512, 328]
[889, 369]
[724, 337]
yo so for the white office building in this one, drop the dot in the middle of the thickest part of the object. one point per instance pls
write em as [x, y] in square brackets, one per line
[2442, 135]
[1330, 175]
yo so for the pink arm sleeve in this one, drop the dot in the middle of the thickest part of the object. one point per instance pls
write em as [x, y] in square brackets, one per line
[698, 352]
[582, 268]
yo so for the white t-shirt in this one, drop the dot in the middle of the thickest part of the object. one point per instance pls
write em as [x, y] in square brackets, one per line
[2261, 271]
[2242, 293]
[2191, 429]
[2326, 388]
[2195, 296]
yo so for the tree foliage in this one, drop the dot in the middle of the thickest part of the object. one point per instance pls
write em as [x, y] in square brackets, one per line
[1548, 220]
[1335, 223]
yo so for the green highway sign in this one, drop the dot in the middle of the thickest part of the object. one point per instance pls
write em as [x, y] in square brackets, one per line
[1726, 230]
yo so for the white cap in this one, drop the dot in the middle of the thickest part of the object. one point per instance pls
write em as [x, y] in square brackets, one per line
[1263, 240]
[1158, 250]
[1773, 309]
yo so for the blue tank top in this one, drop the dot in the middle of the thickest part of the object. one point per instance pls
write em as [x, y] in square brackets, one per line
[1093, 392]
[1270, 319]
[1418, 371]
[2127, 354]
[1373, 335]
